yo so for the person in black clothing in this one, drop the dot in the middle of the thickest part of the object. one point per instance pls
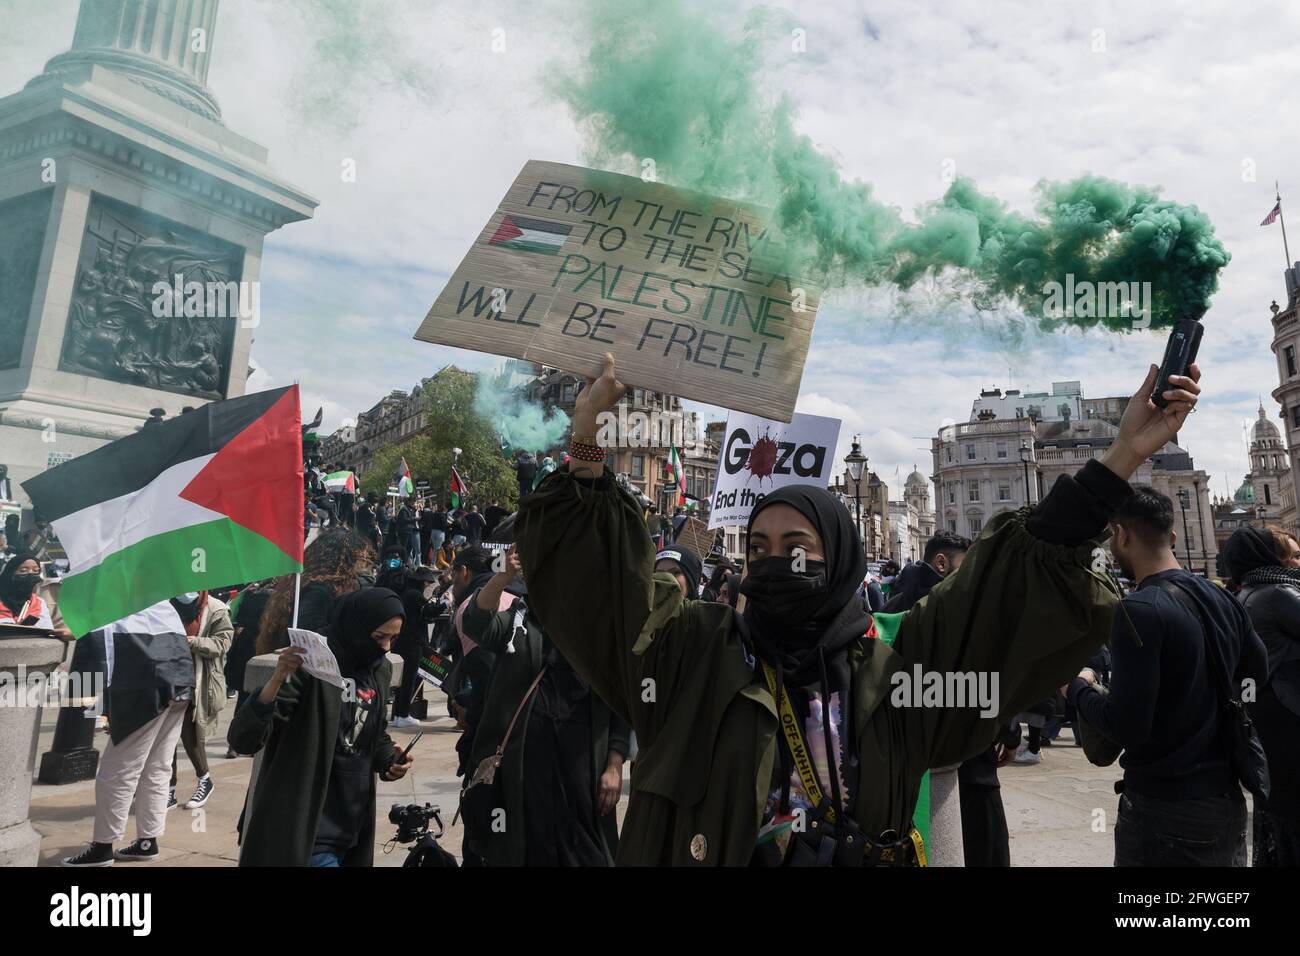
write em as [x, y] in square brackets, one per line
[408, 535]
[985, 838]
[525, 471]
[492, 516]
[1262, 562]
[314, 800]
[420, 613]
[426, 531]
[365, 518]
[1180, 801]
[466, 686]
[248, 619]
[475, 525]
[942, 556]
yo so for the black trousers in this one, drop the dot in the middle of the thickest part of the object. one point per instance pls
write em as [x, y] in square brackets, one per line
[1200, 831]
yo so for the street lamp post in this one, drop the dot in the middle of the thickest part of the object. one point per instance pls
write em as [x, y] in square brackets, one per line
[856, 462]
[1026, 453]
[1187, 541]
[1261, 513]
[1200, 521]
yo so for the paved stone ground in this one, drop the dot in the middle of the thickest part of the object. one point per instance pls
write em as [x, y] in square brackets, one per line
[1054, 808]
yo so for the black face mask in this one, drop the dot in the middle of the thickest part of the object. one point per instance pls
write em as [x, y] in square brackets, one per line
[24, 584]
[365, 651]
[781, 597]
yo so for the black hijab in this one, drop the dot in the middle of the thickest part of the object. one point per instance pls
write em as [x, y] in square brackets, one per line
[841, 619]
[355, 617]
[686, 560]
[1248, 549]
[9, 590]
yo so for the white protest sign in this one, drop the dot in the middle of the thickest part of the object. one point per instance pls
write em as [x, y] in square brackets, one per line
[759, 455]
[317, 659]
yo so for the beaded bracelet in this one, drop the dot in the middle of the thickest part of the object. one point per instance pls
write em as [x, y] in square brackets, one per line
[584, 452]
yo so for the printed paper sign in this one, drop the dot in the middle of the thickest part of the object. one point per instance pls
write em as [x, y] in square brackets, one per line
[758, 456]
[318, 660]
[695, 295]
[434, 668]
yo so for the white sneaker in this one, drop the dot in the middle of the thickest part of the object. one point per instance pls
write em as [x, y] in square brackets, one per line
[1025, 756]
[403, 722]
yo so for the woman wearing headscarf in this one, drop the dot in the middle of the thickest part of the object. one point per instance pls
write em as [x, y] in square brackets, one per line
[314, 802]
[19, 602]
[720, 778]
[1270, 593]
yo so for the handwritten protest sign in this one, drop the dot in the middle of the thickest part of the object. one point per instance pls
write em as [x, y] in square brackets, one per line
[758, 456]
[696, 296]
[317, 659]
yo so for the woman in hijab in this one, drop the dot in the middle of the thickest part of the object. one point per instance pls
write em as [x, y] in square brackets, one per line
[314, 804]
[19, 602]
[778, 736]
[1258, 560]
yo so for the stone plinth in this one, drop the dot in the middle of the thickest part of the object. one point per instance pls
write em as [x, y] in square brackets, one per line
[23, 661]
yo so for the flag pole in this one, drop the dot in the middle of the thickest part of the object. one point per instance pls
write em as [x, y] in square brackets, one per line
[297, 587]
[1282, 219]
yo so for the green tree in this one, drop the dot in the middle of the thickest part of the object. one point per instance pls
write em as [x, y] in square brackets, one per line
[453, 423]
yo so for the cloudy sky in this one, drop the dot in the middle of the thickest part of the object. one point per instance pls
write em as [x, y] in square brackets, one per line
[1193, 98]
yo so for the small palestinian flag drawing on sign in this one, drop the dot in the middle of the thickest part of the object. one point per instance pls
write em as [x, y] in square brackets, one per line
[530, 235]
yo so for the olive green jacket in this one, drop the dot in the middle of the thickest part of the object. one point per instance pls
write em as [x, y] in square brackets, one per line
[705, 724]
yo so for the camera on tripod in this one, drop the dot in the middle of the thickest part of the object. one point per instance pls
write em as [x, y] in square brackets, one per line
[412, 822]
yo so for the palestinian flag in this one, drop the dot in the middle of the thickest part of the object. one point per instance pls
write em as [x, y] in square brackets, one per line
[195, 502]
[458, 489]
[675, 475]
[402, 479]
[341, 481]
[530, 235]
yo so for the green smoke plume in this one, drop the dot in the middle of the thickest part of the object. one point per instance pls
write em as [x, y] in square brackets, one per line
[661, 80]
[519, 422]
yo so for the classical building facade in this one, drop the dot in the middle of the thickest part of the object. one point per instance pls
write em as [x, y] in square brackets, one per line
[1286, 349]
[992, 464]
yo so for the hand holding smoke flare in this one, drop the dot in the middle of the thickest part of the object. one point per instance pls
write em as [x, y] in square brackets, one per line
[661, 80]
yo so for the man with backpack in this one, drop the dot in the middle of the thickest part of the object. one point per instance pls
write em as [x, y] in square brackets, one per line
[1181, 649]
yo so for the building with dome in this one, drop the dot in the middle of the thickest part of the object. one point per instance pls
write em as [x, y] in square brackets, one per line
[1009, 453]
[1270, 471]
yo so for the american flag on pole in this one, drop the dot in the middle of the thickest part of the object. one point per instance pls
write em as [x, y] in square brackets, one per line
[1277, 211]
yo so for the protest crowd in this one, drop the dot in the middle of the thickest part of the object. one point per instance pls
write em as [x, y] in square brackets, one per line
[577, 637]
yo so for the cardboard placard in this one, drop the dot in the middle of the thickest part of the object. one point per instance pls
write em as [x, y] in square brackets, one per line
[695, 296]
[759, 455]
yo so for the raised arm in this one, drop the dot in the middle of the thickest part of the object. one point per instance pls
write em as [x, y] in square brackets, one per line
[588, 563]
